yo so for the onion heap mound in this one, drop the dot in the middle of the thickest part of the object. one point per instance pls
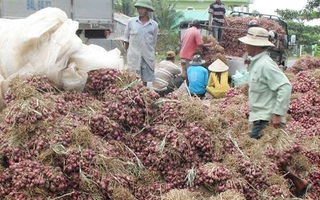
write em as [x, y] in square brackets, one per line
[119, 140]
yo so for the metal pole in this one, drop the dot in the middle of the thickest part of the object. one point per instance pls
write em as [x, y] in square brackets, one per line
[226, 28]
[72, 10]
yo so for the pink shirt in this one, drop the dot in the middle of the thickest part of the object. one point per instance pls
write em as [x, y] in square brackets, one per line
[190, 41]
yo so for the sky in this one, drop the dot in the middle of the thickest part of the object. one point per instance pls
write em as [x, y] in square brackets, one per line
[269, 6]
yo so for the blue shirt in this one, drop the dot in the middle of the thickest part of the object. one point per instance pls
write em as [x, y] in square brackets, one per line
[198, 79]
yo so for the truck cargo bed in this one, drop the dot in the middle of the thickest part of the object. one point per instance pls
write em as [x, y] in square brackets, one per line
[97, 14]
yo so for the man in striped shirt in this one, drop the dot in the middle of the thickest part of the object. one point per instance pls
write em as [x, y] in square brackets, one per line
[217, 13]
[167, 76]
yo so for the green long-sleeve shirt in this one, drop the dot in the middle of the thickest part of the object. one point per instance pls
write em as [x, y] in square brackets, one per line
[269, 89]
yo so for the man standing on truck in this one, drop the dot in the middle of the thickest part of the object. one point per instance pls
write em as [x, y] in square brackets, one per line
[253, 23]
[217, 18]
[269, 94]
[140, 38]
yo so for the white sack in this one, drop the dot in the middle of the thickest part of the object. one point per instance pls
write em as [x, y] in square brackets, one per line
[19, 37]
[64, 42]
[93, 57]
[72, 78]
[45, 43]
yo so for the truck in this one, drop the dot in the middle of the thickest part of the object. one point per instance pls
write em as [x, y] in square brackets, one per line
[235, 60]
[278, 52]
[93, 16]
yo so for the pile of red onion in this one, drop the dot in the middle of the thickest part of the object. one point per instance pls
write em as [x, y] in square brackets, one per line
[119, 138]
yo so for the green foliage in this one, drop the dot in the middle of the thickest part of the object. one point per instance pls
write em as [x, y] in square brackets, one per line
[125, 6]
[317, 51]
[306, 35]
[290, 15]
[166, 14]
[167, 40]
[312, 10]
[300, 15]
[313, 4]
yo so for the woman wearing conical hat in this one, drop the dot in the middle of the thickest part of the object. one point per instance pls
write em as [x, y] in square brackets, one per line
[218, 81]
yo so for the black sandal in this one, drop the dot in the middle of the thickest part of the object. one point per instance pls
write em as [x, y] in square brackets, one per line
[302, 193]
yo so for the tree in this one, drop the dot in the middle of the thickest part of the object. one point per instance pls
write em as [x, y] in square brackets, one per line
[167, 17]
[313, 4]
[290, 15]
[312, 10]
[125, 6]
[166, 14]
[317, 50]
[306, 35]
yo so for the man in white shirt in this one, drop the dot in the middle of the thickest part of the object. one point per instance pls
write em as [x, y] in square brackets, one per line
[140, 39]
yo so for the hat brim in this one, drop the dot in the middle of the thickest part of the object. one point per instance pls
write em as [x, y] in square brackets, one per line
[197, 63]
[149, 8]
[255, 41]
[218, 69]
[218, 66]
